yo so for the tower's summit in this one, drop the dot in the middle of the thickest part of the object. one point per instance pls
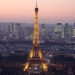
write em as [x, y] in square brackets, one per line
[36, 8]
[36, 3]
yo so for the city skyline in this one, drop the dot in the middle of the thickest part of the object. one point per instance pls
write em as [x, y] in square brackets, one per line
[50, 11]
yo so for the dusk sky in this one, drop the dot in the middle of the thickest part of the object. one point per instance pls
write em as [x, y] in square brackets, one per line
[50, 11]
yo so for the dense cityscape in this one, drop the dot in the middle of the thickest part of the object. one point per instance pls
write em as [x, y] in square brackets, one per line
[58, 50]
[37, 49]
[24, 31]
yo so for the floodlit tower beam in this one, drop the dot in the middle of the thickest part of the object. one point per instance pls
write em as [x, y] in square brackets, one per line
[36, 27]
[35, 54]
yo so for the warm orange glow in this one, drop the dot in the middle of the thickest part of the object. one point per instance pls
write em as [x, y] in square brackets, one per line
[36, 30]
[31, 54]
[45, 67]
[26, 66]
[36, 46]
[40, 54]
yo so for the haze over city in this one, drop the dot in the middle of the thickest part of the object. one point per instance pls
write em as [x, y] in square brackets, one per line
[50, 11]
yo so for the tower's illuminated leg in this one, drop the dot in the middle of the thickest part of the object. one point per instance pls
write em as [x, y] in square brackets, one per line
[44, 66]
[26, 66]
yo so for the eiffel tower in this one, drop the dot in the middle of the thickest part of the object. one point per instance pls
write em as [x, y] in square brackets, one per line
[35, 56]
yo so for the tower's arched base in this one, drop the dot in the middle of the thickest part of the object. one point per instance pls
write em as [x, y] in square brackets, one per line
[35, 69]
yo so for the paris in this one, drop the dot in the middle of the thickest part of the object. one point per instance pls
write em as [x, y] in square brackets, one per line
[37, 37]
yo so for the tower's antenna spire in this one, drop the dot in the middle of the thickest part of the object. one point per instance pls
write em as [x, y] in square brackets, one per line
[36, 3]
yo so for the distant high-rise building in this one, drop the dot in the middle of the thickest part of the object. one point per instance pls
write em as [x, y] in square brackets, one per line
[74, 25]
[58, 31]
[10, 28]
[42, 31]
[68, 31]
[2, 29]
[13, 29]
[16, 26]
[73, 33]
[19, 34]
[1, 34]
[28, 33]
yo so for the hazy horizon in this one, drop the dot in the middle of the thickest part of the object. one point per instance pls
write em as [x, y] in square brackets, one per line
[50, 11]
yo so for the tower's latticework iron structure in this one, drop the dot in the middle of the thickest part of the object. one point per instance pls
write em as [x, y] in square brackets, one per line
[35, 55]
